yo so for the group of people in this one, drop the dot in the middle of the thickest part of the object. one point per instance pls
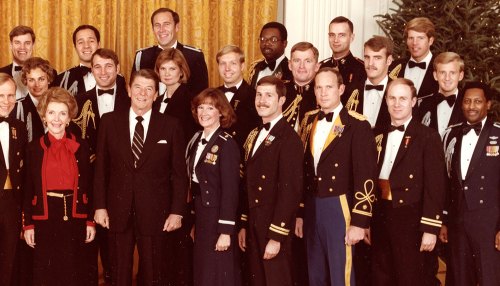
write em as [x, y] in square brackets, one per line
[344, 171]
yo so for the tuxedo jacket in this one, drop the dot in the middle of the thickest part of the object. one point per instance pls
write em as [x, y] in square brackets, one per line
[418, 175]
[146, 58]
[25, 111]
[353, 99]
[35, 197]
[179, 107]
[273, 179]
[17, 145]
[243, 103]
[7, 69]
[282, 71]
[481, 188]
[347, 166]
[218, 174]
[72, 80]
[429, 85]
[88, 118]
[427, 111]
[299, 101]
[350, 67]
[146, 194]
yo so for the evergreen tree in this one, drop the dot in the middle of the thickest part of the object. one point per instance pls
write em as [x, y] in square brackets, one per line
[470, 28]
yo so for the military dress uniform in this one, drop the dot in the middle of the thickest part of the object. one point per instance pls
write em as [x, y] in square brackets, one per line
[411, 193]
[281, 71]
[146, 58]
[11, 180]
[474, 210]
[26, 112]
[428, 111]
[339, 191]
[299, 101]
[216, 195]
[350, 67]
[273, 187]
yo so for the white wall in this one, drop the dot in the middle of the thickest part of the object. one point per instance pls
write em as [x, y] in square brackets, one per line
[307, 20]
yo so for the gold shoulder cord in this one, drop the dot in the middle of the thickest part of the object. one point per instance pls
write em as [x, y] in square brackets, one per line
[252, 70]
[290, 111]
[394, 73]
[249, 142]
[82, 121]
[378, 140]
[352, 103]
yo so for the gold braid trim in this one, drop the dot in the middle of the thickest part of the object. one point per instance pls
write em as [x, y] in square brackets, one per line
[306, 127]
[352, 103]
[365, 197]
[395, 71]
[290, 111]
[82, 121]
[248, 145]
[378, 140]
[252, 70]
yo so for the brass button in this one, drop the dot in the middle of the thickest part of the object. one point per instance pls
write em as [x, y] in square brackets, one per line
[481, 188]
[17, 153]
[333, 177]
[406, 189]
[263, 177]
[480, 201]
[411, 176]
[319, 179]
[400, 201]
[206, 182]
[336, 164]
[234, 133]
[208, 203]
[259, 188]
[437, 216]
[482, 177]
[466, 188]
[330, 189]
[256, 201]
[206, 192]
[18, 187]
[365, 207]
[17, 170]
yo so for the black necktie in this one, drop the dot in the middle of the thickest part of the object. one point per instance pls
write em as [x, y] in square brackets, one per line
[400, 128]
[328, 116]
[18, 68]
[232, 89]
[477, 128]
[138, 140]
[271, 65]
[379, 87]
[413, 64]
[449, 99]
[103, 91]
[265, 126]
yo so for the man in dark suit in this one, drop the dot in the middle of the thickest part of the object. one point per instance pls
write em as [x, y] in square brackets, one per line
[420, 34]
[273, 185]
[367, 97]
[13, 139]
[472, 154]
[300, 90]
[444, 108]
[340, 169]
[165, 24]
[22, 42]
[241, 96]
[140, 184]
[79, 79]
[272, 41]
[411, 193]
[340, 37]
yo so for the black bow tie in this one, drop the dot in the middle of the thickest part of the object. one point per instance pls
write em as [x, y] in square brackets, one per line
[265, 126]
[271, 65]
[413, 64]
[18, 68]
[4, 119]
[204, 141]
[400, 128]
[166, 99]
[328, 116]
[85, 70]
[477, 128]
[232, 89]
[103, 91]
[449, 99]
[379, 87]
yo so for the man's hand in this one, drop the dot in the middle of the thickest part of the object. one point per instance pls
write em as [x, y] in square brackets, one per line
[443, 234]
[242, 239]
[497, 241]
[272, 249]
[29, 236]
[299, 227]
[223, 242]
[101, 217]
[172, 223]
[428, 242]
[354, 235]
[90, 234]
[368, 236]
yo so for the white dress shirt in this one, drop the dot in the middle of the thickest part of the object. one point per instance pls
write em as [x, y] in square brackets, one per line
[443, 113]
[417, 74]
[229, 95]
[394, 140]
[263, 133]
[132, 122]
[89, 80]
[321, 132]
[106, 101]
[4, 140]
[267, 71]
[199, 150]
[469, 142]
[372, 100]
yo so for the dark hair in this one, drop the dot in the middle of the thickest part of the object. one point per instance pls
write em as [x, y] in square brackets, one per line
[178, 58]
[36, 62]
[215, 97]
[60, 95]
[22, 30]
[105, 54]
[281, 28]
[479, 85]
[175, 16]
[272, 80]
[403, 81]
[377, 43]
[145, 73]
[86, 27]
[342, 19]
[334, 71]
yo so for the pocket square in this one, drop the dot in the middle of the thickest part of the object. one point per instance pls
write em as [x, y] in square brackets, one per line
[162, 142]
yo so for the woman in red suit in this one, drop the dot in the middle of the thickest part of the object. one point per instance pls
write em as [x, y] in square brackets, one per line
[56, 206]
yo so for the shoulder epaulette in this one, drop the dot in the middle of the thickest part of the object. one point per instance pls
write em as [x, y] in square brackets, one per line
[192, 48]
[22, 99]
[312, 112]
[496, 124]
[326, 60]
[145, 48]
[225, 136]
[356, 115]
[359, 60]
[454, 125]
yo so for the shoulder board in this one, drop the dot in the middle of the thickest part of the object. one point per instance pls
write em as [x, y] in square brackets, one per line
[496, 124]
[225, 136]
[192, 48]
[359, 60]
[356, 115]
[312, 112]
[145, 48]
[22, 99]
[256, 62]
[454, 125]
[326, 60]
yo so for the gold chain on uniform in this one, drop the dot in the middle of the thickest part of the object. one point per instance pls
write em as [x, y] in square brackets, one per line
[290, 111]
[83, 120]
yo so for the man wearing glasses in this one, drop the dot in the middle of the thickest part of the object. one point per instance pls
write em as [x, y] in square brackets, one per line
[272, 41]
